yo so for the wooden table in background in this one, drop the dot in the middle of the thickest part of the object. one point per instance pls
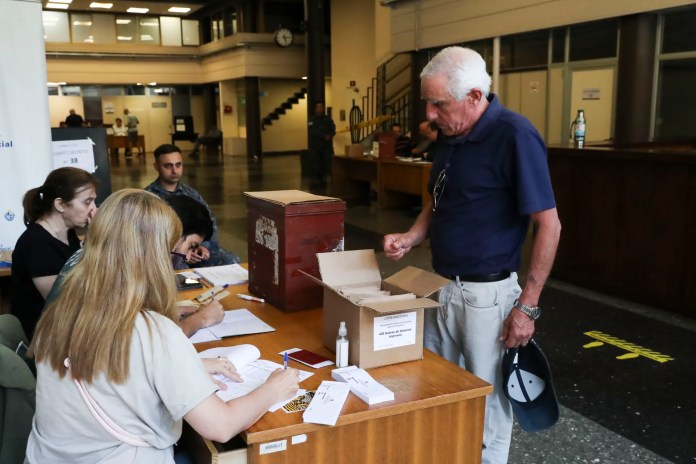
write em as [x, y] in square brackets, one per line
[402, 177]
[352, 177]
[120, 141]
[396, 181]
[437, 415]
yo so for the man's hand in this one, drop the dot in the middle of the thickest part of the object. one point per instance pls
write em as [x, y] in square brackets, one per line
[518, 329]
[396, 246]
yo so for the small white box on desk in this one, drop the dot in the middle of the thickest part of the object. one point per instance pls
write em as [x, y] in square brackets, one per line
[363, 385]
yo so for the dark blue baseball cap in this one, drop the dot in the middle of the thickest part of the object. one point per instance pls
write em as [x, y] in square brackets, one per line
[528, 385]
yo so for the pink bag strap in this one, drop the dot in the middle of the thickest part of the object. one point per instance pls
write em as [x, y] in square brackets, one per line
[104, 420]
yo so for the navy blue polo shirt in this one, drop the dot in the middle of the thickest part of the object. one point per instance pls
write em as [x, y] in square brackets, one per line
[494, 177]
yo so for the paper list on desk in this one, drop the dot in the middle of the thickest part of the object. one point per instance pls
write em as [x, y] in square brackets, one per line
[327, 403]
[235, 322]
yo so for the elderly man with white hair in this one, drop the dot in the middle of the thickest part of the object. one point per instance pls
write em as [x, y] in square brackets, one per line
[489, 180]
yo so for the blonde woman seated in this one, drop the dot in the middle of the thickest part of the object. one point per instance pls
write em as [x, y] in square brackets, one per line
[114, 325]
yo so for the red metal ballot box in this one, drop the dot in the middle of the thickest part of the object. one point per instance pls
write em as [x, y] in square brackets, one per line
[286, 229]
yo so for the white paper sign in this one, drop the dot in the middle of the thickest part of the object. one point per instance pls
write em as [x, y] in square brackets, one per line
[273, 447]
[395, 330]
[74, 154]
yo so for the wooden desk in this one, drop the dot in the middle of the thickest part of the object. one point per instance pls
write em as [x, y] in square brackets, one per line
[119, 141]
[402, 177]
[437, 415]
[352, 177]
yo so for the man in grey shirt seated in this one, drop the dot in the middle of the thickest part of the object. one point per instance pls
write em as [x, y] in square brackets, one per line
[169, 165]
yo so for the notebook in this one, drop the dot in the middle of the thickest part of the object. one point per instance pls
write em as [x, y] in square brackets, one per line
[230, 274]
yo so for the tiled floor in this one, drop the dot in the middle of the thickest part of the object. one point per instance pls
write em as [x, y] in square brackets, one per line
[614, 410]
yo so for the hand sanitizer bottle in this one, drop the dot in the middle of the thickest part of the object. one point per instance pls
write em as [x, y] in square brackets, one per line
[342, 346]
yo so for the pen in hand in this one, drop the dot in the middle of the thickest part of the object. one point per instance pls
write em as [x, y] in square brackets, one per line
[285, 361]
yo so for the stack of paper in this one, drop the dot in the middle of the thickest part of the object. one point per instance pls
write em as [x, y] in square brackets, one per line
[327, 403]
[231, 274]
[363, 385]
[372, 294]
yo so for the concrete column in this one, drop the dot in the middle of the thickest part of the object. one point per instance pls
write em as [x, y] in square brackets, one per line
[253, 117]
[635, 75]
[315, 15]
[249, 17]
[420, 59]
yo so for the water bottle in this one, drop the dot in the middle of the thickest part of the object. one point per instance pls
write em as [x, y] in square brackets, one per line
[342, 346]
[579, 133]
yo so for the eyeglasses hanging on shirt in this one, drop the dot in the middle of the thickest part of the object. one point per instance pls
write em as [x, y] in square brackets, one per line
[441, 181]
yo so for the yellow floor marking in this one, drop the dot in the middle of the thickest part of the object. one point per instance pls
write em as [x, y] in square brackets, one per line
[633, 350]
[592, 344]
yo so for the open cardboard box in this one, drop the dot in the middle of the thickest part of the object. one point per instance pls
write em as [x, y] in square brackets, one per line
[380, 333]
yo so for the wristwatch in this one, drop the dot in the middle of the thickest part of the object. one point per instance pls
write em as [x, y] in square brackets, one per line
[532, 312]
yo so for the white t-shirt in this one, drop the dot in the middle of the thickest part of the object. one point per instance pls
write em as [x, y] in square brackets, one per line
[121, 131]
[166, 380]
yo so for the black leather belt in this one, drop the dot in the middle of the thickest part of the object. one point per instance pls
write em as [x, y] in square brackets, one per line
[481, 277]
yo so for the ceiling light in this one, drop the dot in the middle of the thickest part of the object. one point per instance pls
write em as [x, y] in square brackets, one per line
[124, 38]
[55, 84]
[149, 23]
[304, 78]
[57, 6]
[82, 23]
[152, 83]
[123, 21]
[179, 9]
[101, 5]
[137, 10]
[145, 37]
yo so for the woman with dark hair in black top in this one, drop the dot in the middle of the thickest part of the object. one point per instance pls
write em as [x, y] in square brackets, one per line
[52, 212]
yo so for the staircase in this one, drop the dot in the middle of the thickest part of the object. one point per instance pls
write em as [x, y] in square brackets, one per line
[388, 100]
[285, 106]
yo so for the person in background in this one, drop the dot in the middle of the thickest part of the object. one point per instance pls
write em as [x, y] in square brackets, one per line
[489, 179]
[52, 212]
[74, 119]
[118, 130]
[110, 339]
[321, 130]
[213, 135]
[169, 165]
[428, 136]
[132, 125]
[197, 224]
[402, 142]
